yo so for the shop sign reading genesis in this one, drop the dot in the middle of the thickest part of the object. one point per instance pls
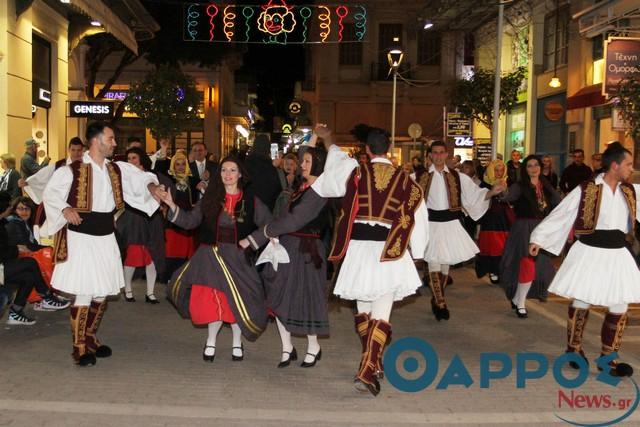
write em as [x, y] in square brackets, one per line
[91, 109]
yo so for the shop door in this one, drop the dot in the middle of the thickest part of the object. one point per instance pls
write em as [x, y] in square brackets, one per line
[551, 130]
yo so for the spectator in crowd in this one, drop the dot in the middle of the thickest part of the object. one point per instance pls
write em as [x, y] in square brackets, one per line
[288, 180]
[575, 173]
[201, 169]
[513, 167]
[547, 171]
[418, 166]
[263, 176]
[10, 177]
[29, 162]
[469, 169]
[456, 163]
[596, 164]
[21, 274]
[19, 225]
[362, 158]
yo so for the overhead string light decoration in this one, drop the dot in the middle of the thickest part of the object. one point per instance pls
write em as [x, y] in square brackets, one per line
[342, 12]
[274, 22]
[228, 21]
[212, 11]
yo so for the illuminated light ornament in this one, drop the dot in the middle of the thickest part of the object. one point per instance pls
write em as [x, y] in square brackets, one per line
[325, 23]
[342, 12]
[192, 20]
[212, 11]
[228, 19]
[361, 23]
[179, 94]
[247, 12]
[306, 13]
[276, 21]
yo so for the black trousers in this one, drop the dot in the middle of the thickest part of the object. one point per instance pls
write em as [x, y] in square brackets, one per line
[23, 274]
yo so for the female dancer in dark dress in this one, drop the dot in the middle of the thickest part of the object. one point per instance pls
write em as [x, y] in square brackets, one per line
[494, 225]
[179, 243]
[225, 286]
[533, 199]
[297, 292]
[143, 237]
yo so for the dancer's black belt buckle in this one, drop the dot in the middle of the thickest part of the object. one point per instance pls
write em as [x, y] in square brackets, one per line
[376, 233]
[95, 224]
[606, 239]
[444, 215]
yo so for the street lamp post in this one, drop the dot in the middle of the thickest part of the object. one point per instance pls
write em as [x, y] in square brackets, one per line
[394, 57]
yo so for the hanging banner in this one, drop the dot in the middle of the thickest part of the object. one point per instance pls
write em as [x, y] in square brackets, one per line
[622, 59]
[274, 23]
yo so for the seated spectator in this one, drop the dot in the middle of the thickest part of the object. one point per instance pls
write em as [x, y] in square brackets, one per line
[21, 275]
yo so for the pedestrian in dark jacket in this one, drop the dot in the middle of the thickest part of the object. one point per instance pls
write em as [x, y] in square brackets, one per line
[264, 180]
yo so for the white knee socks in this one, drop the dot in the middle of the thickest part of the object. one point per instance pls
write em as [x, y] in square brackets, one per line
[521, 294]
[150, 271]
[128, 277]
[214, 328]
[313, 347]
[237, 339]
[285, 337]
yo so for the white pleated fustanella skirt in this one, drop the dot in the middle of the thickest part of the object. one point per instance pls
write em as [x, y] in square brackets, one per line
[449, 243]
[93, 266]
[598, 276]
[364, 277]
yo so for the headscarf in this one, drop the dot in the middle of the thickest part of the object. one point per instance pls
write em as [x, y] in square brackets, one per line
[489, 173]
[182, 178]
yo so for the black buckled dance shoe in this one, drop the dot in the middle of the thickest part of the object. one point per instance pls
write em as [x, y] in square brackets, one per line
[205, 356]
[293, 355]
[316, 357]
[575, 365]
[619, 369]
[237, 358]
[151, 299]
[128, 298]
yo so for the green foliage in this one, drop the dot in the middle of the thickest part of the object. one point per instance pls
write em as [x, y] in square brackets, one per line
[156, 100]
[474, 97]
[629, 102]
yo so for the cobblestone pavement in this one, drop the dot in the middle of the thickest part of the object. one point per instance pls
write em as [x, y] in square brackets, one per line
[156, 376]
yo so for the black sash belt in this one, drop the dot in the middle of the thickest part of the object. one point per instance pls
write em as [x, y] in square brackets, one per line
[444, 215]
[376, 233]
[606, 239]
[95, 224]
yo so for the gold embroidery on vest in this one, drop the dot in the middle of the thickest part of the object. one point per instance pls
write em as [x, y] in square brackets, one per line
[115, 186]
[631, 202]
[395, 249]
[405, 220]
[414, 197]
[590, 208]
[382, 176]
[425, 183]
[83, 192]
[454, 192]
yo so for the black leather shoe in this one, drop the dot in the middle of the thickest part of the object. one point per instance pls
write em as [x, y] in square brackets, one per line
[316, 357]
[575, 365]
[513, 306]
[440, 312]
[129, 299]
[363, 387]
[293, 355]
[87, 359]
[522, 313]
[206, 357]
[237, 358]
[151, 299]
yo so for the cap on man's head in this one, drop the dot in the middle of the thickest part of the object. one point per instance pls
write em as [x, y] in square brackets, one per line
[30, 143]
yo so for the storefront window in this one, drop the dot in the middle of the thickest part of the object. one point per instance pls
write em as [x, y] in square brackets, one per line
[41, 91]
[516, 130]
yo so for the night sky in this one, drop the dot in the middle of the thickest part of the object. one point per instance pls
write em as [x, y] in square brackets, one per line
[270, 70]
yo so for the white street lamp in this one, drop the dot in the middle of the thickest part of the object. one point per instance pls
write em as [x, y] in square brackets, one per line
[394, 57]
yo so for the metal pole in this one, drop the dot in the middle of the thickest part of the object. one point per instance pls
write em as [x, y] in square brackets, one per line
[393, 113]
[496, 92]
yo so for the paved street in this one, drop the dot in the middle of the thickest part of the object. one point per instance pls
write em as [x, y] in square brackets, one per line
[156, 376]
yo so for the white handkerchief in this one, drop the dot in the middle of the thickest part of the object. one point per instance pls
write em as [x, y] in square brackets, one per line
[275, 254]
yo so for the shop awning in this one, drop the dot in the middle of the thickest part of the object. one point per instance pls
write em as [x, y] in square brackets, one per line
[112, 24]
[588, 96]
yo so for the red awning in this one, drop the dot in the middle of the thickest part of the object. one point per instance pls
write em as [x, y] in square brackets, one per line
[589, 96]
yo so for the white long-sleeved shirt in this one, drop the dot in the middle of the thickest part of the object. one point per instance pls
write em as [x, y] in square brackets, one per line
[38, 182]
[551, 234]
[134, 189]
[472, 197]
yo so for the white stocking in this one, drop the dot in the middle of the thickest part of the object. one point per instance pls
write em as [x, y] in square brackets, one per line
[214, 328]
[520, 298]
[150, 271]
[237, 339]
[285, 337]
[312, 348]
[364, 306]
[381, 308]
[128, 277]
